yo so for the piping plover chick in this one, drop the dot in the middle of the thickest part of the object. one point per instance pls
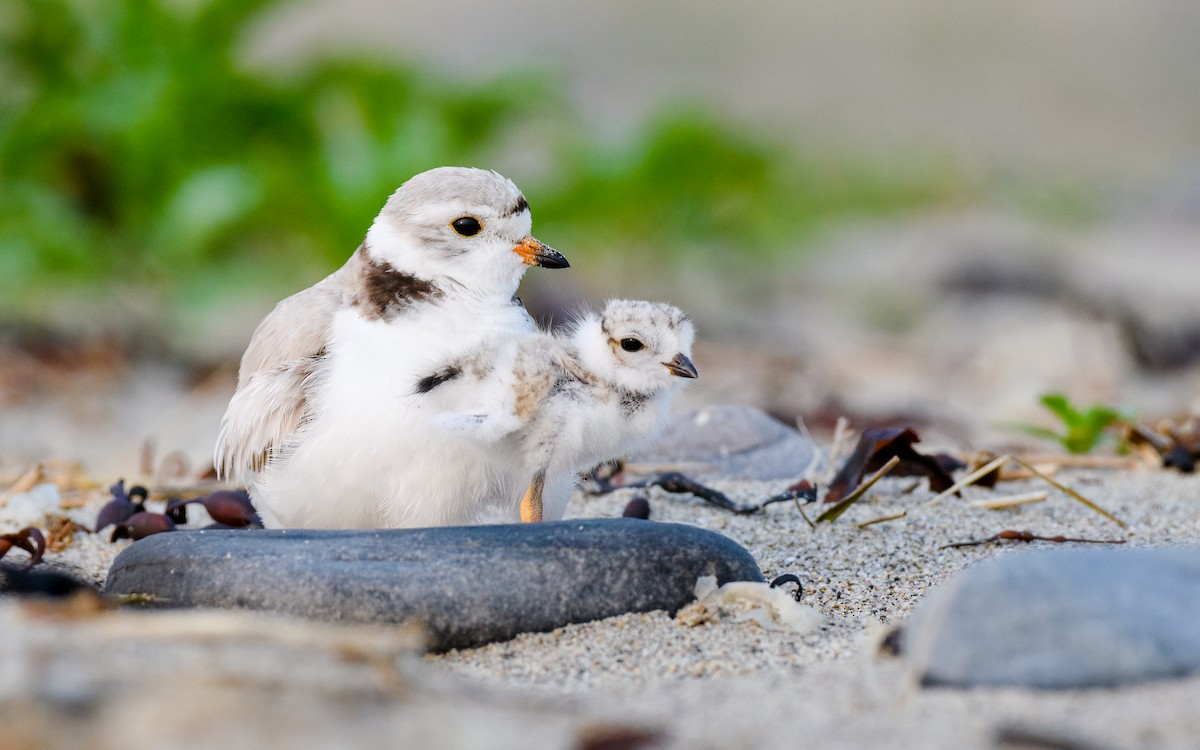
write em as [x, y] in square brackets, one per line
[557, 405]
[324, 426]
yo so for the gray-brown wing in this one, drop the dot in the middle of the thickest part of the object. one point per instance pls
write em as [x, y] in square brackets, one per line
[277, 374]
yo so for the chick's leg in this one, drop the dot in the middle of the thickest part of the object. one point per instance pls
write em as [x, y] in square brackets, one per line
[531, 501]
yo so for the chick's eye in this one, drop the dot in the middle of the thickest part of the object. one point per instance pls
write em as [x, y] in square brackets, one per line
[631, 345]
[467, 226]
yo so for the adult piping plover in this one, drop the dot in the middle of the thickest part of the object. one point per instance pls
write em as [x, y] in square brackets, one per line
[324, 426]
[557, 405]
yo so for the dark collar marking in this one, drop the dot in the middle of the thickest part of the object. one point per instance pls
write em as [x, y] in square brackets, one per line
[429, 382]
[632, 402]
[518, 207]
[384, 292]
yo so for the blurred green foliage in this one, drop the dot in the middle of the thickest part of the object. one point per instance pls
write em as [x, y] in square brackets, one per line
[136, 148]
[691, 183]
[1082, 429]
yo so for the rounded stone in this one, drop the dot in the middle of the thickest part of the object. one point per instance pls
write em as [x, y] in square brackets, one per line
[1061, 619]
[469, 585]
[733, 442]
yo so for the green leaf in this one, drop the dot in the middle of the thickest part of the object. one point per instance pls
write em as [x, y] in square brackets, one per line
[1057, 403]
[1082, 430]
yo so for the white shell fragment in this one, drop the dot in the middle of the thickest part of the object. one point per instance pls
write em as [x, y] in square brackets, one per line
[743, 601]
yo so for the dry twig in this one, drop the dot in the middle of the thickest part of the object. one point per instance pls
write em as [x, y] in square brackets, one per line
[27, 481]
[60, 532]
[969, 479]
[1072, 493]
[882, 519]
[993, 465]
[1009, 501]
[1084, 462]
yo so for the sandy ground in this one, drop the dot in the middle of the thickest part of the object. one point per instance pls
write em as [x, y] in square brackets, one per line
[737, 685]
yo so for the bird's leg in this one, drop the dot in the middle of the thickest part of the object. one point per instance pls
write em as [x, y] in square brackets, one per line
[531, 501]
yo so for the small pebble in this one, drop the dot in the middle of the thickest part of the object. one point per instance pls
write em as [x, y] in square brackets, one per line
[638, 507]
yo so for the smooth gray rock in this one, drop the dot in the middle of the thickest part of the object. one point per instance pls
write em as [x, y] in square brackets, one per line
[470, 585]
[738, 442]
[1056, 619]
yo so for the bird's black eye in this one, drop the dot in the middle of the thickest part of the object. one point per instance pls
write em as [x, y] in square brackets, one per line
[631, 345]
[467, 226]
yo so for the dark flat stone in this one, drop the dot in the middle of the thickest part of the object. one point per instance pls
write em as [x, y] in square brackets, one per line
[1060, 619]
[25, 581]
[470, 585]
[738, 442]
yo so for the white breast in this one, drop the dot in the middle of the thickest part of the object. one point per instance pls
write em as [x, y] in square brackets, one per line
[369, 457]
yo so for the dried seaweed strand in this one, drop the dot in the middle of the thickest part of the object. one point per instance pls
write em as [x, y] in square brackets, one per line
[832, 514]
[676, 482]
[29, 539]
[882, 519]
[1027, 536]
[804, 515]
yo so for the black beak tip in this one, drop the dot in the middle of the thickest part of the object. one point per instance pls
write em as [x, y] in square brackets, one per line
[552, 259]
[682, 367]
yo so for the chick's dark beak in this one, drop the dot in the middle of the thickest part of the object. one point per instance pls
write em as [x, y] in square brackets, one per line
[534, 253]
[682, 366]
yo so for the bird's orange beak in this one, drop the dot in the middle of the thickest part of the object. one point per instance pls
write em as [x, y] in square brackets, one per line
[534, 253]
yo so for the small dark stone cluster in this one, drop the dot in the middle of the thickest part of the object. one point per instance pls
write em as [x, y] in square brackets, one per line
[126, 512]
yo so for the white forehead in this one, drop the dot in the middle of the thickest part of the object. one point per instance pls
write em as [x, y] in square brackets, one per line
[458, 191]
[645, 317]
[622, 310]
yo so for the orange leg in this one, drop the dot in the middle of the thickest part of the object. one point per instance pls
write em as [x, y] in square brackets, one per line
[531, 501]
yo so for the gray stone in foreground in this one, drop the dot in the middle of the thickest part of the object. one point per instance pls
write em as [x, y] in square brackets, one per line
[738, 442]
[1060, 619]
[469, 585]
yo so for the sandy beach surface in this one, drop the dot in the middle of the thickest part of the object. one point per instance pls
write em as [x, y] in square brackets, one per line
[641, 679]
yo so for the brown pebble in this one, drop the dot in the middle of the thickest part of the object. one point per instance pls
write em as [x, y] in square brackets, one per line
[638, 507]
[142, 525]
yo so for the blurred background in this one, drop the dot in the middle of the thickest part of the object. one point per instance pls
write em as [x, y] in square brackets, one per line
[929, 211]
